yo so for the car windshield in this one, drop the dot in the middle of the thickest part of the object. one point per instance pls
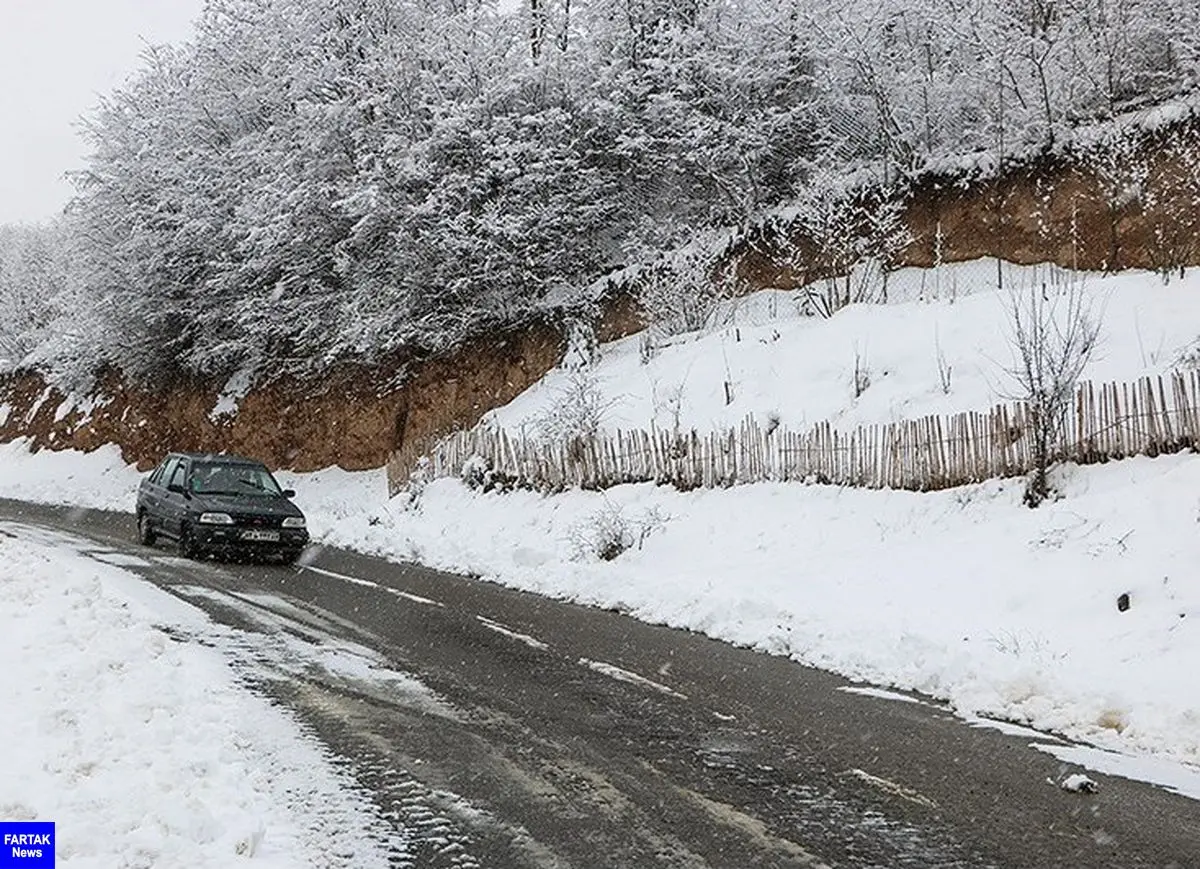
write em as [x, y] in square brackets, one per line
[227, 478]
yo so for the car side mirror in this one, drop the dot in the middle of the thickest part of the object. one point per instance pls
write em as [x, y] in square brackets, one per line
[176, 488]
[289, 493]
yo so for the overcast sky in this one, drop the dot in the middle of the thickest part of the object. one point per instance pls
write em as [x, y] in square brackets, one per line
[56, 58]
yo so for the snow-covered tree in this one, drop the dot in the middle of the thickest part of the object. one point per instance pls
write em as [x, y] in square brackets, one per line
[305, 182]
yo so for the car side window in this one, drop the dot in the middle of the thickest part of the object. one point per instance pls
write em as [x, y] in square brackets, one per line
[178, 474]
[160, 472]
[166, 469]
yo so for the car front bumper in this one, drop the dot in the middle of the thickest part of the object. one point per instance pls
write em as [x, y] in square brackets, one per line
[233, 538]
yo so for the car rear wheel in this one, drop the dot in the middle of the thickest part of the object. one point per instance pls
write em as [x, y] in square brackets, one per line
[146, 535]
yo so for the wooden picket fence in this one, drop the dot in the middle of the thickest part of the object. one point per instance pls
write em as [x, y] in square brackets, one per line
[1110, 421]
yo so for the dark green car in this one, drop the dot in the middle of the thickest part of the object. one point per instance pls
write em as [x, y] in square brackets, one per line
[221, 505]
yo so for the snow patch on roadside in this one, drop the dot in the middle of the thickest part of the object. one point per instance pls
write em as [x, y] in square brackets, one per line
[882, 694]
[143, 749]
[1175, 777]
[294, 643]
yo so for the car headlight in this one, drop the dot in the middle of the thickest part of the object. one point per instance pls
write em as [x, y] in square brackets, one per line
[293, 522]
[216, 519]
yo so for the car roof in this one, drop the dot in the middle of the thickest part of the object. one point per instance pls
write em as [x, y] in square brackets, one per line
[217, 457]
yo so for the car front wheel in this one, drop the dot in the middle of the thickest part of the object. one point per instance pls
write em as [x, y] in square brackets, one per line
[187, 547]
[146, 535]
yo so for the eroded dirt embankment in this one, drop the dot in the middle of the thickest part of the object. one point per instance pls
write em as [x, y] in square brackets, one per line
[354, 419]
[1142, 214]
[1139, 210]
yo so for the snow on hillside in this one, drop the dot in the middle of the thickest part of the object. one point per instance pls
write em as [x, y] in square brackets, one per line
[964, 594]
[801, 369]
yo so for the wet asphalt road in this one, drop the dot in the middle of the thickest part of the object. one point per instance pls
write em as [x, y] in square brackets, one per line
[553, 735]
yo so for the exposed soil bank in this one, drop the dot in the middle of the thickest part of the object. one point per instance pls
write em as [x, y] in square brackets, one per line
[353, 420]
[1138, 210]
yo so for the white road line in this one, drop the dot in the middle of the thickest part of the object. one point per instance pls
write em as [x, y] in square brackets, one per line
[891, 787]
[615, 672]
[881, 693]
[415, 598]
[533, 642]
[353, 579]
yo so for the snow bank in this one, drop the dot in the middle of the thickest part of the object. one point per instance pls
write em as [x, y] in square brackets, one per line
[143, 749]
[100, 479]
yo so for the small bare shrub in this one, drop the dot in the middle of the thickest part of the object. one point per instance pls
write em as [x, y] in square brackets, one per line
[862, 374]
[1188, 357]
[479, 475]
[647, 347]
[683, 291]
[578, 411]
[610, 531]
[670, 399]
[1053, 336]
[1024, 645]
[945, 370]
[857, 234]
[474, 472]
[418, 478]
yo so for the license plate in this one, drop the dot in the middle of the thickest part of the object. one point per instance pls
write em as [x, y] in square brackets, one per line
[266, 536]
